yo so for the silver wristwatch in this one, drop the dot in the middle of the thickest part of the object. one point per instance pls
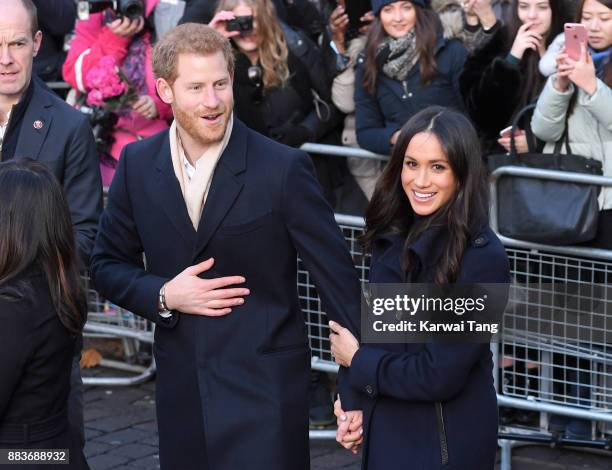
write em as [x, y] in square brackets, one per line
[164, 312]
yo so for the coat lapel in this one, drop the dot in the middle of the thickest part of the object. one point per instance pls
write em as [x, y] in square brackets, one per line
[35, 125]
[169, 195]
[225, 187]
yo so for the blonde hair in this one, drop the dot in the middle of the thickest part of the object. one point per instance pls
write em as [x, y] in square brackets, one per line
[273, 51]
[188, 38]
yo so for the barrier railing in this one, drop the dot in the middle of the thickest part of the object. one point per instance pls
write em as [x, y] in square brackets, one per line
[556, 354]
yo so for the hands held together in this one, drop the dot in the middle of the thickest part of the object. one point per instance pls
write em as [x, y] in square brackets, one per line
[350, 427]
[350, 423]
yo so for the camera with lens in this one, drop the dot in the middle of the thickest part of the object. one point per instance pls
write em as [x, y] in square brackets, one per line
[131, 9]
[242, 24]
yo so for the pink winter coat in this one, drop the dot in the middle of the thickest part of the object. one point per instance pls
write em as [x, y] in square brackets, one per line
[93, 40]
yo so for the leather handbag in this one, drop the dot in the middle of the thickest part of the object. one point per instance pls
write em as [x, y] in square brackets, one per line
[546, 211]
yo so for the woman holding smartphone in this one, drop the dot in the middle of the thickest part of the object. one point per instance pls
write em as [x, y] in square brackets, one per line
[407, 65]
[427, 223]
[501, 77]
[581, 92]
[42, 312]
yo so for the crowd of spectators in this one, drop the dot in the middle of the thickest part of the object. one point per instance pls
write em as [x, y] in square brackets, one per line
[325, 72]
[313, 71]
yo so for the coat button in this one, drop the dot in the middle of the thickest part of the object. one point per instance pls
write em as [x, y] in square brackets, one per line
[404, 97]
[369, 389]
[410, 95]
[479, 241]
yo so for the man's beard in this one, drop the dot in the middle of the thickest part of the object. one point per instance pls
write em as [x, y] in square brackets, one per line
[196, 128]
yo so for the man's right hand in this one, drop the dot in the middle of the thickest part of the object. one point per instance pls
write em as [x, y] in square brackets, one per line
[188, 293]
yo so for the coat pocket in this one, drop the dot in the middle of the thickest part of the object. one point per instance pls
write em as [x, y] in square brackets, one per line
[442, 433]
[246, 227]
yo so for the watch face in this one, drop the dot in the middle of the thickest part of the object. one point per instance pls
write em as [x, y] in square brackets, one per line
[165, 313]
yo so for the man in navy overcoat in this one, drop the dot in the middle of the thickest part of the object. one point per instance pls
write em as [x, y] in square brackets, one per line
[231, 387]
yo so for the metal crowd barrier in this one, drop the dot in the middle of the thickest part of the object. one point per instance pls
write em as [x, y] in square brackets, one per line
[106, 320]
[556, 344]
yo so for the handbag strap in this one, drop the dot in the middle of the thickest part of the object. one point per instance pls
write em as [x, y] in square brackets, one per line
[563, 140]
[515, 123]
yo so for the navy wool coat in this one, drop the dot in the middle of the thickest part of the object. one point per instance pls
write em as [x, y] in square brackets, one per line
[231, 390]
[430, 406]
[379, 115]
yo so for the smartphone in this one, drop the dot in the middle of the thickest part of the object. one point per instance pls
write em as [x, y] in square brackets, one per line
[355, 9]
[242, 24]
[575, 35]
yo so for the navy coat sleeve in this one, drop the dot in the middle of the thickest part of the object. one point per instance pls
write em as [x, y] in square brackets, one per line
[373, 133]
[15, 346]
[438, 372]
[117, 267]
[321, 245]
[83, 187]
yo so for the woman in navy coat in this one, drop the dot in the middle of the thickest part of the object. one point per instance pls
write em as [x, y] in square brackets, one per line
[42, 312]
[406, 66]
[427, 405]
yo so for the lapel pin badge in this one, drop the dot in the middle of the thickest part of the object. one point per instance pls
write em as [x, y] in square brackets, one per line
[38, 125]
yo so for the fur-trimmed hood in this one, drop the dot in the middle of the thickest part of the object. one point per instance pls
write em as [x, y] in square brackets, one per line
[452, 18]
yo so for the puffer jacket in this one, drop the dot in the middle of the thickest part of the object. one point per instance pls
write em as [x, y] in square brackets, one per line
[589, 125]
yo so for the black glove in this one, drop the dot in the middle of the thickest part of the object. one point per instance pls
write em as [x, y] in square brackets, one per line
[293, 135]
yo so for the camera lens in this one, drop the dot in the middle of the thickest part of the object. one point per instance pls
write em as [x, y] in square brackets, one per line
[133, 9]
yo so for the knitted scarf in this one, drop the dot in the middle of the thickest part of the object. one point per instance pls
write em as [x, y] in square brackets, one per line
[396, 57]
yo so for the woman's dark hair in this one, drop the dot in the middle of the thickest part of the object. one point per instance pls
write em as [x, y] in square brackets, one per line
[532, 80]
[464, 214]
[427, 28]
[36, 232]
[607, 71]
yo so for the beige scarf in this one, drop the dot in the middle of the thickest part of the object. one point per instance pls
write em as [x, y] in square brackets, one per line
[195, 190]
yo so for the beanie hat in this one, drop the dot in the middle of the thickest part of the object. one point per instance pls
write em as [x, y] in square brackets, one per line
[378, 4]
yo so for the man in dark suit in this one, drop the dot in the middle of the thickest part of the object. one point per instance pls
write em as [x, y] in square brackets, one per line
[38, 125]
[35, 123]
[233, 361]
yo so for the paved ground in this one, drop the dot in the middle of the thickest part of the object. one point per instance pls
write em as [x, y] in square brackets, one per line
[121, 435]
